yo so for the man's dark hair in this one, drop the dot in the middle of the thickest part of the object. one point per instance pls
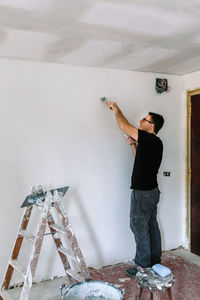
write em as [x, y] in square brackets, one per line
[157, 120]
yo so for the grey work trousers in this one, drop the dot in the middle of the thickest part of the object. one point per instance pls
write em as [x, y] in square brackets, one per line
[144, 225]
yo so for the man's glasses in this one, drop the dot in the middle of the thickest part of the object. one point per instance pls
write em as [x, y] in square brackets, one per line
[144, 119]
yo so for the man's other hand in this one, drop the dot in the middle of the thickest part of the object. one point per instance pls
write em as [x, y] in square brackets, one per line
[130, 140]
[112, 105]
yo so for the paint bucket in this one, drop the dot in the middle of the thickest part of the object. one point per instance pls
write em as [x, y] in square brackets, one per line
[91, 290]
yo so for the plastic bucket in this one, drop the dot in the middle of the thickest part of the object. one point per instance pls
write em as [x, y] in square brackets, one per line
[91, 290]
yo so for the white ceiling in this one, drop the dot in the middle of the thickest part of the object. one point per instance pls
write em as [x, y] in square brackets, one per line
[143, 35]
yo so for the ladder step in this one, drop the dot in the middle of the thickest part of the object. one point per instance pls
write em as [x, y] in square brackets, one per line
[75, 275]
[67, 253]
[5, 295]
[30, 237]
[58, 228]
[18, 267]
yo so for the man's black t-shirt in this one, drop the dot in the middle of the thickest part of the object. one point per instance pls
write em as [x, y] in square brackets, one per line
[147, 161]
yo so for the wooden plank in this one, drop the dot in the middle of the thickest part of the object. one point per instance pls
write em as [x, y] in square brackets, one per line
[20, 269]
[73, 274]
[170, 294]
[67, 253]
[71, 236]
[28, 236]
[59, 246]
[36, 248]
[58, 228]
[17, 247]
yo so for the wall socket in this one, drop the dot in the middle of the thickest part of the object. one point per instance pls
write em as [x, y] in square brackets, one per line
[166, 173]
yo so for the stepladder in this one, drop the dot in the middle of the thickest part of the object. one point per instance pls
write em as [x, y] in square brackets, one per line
[52, 215]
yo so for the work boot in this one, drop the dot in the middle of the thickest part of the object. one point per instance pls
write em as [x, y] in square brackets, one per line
[131, 272]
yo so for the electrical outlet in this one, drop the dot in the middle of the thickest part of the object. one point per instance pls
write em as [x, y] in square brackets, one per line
[166, 173]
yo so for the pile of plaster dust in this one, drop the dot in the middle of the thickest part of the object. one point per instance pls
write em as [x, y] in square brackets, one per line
[92, 291]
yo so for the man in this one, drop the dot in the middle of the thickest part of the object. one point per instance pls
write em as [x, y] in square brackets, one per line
[148, 149]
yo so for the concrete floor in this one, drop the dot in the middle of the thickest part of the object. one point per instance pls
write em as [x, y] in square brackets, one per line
[184, 265]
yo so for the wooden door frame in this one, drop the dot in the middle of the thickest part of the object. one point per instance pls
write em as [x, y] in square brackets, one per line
[189, 93]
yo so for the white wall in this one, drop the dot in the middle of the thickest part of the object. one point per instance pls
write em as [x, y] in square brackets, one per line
[55, 132]
[191, 81]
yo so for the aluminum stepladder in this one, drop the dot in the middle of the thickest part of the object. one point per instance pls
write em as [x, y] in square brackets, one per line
[71, 255]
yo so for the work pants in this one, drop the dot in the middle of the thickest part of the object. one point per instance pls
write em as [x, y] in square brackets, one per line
[144, 225]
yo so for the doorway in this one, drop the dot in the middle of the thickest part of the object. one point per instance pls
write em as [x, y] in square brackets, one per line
[193, 169]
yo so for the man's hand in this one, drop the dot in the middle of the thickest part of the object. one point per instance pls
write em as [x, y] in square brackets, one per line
[112, 105]
[124, 125]
[130, 140]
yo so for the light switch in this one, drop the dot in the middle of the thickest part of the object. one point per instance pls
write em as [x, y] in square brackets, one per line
[166, 173]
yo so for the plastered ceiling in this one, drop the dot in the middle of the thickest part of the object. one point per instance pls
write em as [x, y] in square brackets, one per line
[142, 35]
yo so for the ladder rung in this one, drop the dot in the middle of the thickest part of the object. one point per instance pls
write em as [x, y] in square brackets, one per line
[30, 237]
[58, 228]
[75, 275]
[5, 295]
[18, 267]
[67, 253]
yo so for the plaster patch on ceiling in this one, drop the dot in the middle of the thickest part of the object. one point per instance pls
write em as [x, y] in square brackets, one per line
[189, 65]
[141, 35]
[3, 35]
[25, 4]
[66, 46]
[91, 52]
[136, 18]
[25, 44]
[145, 57]
[196, 39]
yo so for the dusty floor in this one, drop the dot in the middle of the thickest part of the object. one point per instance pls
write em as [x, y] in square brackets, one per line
[184, 265]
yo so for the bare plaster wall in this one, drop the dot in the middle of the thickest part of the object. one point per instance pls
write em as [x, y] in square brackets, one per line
[191, 81]
[55, 132]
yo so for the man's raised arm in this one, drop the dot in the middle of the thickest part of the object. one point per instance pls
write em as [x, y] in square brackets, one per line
[124, 125]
